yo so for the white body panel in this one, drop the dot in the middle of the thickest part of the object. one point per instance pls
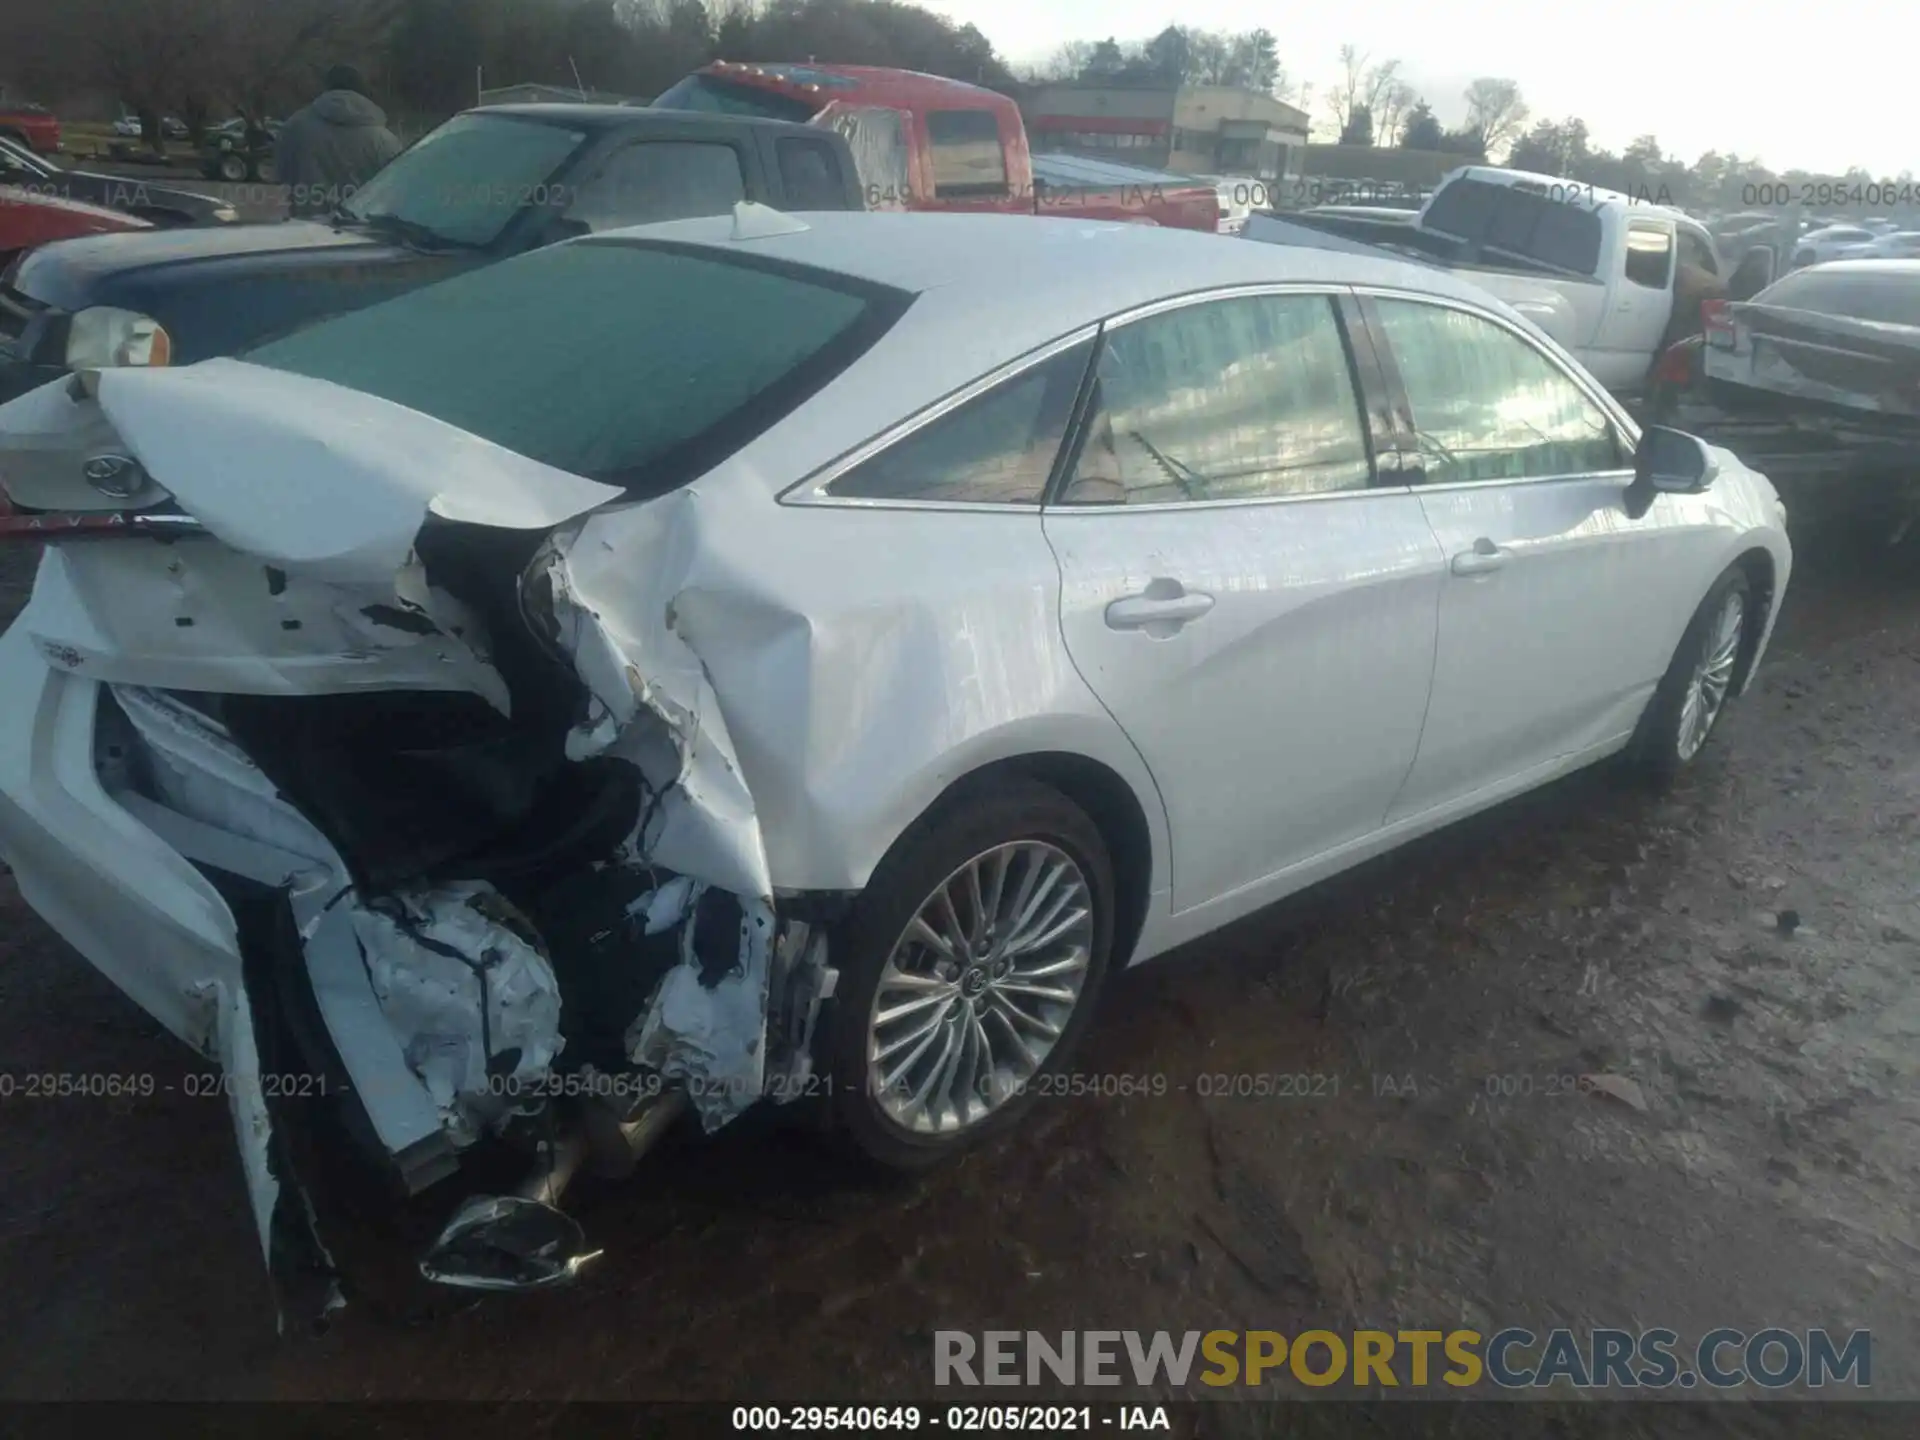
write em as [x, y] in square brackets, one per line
[1518, 682]
[1280, 723]
[802, 681]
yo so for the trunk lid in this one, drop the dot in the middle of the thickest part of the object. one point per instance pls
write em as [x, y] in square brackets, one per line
[303, 474]
[289, 565]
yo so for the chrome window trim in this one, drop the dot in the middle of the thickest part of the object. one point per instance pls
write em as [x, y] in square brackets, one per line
[812, 489]
[1584, 382]
[1332, 289]
[1364, 492]
[1624, 477]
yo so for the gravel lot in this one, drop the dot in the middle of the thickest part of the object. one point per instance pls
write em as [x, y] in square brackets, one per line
[1758, 1170]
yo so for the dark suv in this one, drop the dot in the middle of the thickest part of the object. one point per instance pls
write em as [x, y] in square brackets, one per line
[489, 183]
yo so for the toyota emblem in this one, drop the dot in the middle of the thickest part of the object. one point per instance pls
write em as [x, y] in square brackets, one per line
[117, 476]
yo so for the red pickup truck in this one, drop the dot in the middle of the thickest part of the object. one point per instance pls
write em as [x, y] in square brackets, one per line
[33, 126]
[29, 217]
[922, 142]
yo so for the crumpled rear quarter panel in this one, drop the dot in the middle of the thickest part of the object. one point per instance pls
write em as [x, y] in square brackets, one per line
[862, 658]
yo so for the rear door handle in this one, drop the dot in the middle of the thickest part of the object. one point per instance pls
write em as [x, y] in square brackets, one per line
[1483, 559]
[1162, 608]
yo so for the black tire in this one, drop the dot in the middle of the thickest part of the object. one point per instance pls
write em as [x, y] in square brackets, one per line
[234, 169]
[1657, 751]
[958, 830]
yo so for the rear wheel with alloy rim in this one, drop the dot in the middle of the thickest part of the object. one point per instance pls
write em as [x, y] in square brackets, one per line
[1691, 697]
[968, 971]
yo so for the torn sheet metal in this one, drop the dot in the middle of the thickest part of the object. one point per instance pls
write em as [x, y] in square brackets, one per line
[239, 1059]
[469, 993]
[196, 615]
[305, 1277]
[642, 674]
[662, 909]
[710, 1033]
[800, 982]
[196, 770]
[203, 782]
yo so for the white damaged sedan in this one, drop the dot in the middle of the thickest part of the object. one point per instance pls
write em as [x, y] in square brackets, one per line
[773, 659]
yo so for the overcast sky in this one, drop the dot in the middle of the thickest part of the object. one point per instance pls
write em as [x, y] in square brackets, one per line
[1805, 87]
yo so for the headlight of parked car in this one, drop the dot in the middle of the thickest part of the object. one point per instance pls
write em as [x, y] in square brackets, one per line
[225, 214]
[103, 337]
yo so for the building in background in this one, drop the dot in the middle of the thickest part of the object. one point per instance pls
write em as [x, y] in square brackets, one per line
[1192, 129]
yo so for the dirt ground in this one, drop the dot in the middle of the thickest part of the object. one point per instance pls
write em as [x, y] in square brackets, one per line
[1759, 1170]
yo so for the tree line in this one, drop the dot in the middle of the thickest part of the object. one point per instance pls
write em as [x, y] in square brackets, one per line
[1368, 104]
[204, 59]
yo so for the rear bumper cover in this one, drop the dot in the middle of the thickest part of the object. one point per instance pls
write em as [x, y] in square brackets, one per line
[157, 927]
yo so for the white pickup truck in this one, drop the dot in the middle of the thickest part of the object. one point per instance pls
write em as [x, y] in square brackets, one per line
[1593, 268]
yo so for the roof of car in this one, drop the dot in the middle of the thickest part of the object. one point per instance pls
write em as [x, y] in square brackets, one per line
[1064, 272]
[1874, 265]
[820, 83]
[992, 289]
[587, 116]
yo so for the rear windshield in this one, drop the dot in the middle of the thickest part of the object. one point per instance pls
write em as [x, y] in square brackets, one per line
[1892, 296]
[1520, 222]
[637, 364]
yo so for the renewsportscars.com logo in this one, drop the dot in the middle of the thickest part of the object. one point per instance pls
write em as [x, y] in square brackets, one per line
[1511, 1359]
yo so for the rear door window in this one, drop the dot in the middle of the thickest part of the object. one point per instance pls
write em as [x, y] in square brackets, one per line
[656, 180]
[997, 448]
[967, 157]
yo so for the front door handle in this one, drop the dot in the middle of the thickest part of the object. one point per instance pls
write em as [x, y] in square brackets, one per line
[1161, 609]
[1483, 559]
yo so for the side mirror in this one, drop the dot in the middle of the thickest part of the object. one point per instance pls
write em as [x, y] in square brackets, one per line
[1669, 462]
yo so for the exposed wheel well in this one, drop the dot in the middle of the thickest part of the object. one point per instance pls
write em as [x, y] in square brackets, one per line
[1114, 809]
[1758, 567]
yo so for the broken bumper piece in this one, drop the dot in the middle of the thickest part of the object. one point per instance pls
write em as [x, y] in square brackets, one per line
[431, 1016]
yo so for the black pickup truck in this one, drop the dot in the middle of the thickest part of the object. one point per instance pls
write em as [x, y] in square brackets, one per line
[490, 183]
